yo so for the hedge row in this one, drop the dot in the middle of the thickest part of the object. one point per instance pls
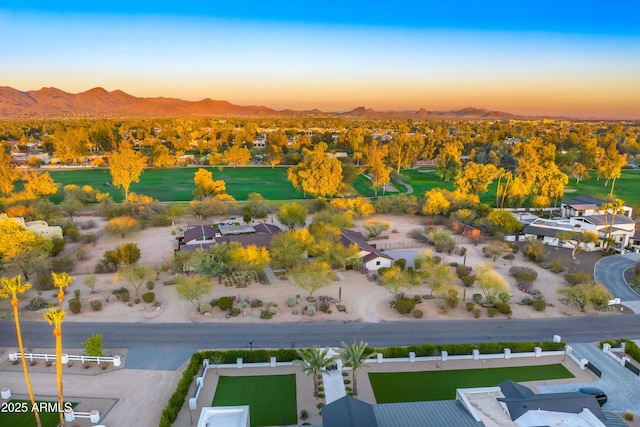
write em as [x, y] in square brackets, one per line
[631, 348]
[177, 399]
[426, 350]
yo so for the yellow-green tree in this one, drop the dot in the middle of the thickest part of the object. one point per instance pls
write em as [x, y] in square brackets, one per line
[318, 174]
[311, 276]
[39, 184]
[205, 184]
[8, 174]
[436, 202]
[122, 225]
[61, 281]
[11, 288]
[126, 165]
[578, 238]
[378, 171]
[237, 155]
[290, 248]
[448, 160]
[476, 178]
[55, 317]
[610, 166]
[579, 172]
[292, 215]
[160, 156]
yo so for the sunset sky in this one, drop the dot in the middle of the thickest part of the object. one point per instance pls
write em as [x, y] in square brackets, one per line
[572, 58]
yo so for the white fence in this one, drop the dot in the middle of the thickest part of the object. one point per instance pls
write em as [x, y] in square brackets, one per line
[611, 352]
[66, 358]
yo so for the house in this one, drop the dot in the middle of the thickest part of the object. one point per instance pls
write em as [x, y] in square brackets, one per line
[508, 404]
[583, 213]
[41, 228]
[203, 236]
[372, 258]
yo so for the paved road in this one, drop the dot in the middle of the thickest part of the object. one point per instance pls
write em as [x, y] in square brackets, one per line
[163, 336]
[610, 271]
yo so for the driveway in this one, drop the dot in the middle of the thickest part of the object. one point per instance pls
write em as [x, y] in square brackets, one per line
[620, 384]
[610, 272]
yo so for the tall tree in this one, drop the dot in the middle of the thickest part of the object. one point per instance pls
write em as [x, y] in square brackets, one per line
[205, 184]
[11, 288]
[354, 356]
[55, 317]
[404, 149]
[8, 174]
[289, 249]
[476, 178]
[292, 215]
[39, 185]
[311, 276]
[315, 361]
[448, 160]
[126, 165]
[379, 172]
[613, 208]
[318, 174]
[579, 172]
[193, 288]
[610, 166]
[237, 155]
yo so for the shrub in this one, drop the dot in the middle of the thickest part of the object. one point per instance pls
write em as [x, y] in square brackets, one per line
[37, 303]
[509, 257]
[96, 305]
[148, 297]
[256, 303]
[235, 312]
[204, 308]
[291, 302]
[76, 293]
[477, 298]
[577, 277]
[161, 220]
[272, 309]
[470, 305]
[304, 414]
[515, 248]
[405, 305]
[64, 264]
[402, 263]
[503, 308]
[266, 313]
[492, 311]
[477, 312]
[556, 266]
[311, 310]
[628, 415]
[136, 300]
[151, 284]
[462, 270]
[75, 306]
[417, 299]
[225, 303]
[539, 305]
[418, 314]
[468, 281]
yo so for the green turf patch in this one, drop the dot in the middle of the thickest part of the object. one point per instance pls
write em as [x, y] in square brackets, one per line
[18, 413]
[271, 398]
[394, 387]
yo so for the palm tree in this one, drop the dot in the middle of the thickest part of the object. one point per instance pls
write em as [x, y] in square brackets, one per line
[315, 361]
[55, 317]
[616, 206]
[354, 356]
[11, 288]
[61, 281]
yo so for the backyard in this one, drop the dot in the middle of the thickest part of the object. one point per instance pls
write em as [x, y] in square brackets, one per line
[394, 387]
[271, 398]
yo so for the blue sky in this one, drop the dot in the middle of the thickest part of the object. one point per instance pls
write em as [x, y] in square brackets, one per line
[568, 58]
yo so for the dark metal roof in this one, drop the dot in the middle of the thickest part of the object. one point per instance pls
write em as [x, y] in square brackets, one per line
[199, 231]
[540, 231]
[583, 200]
[606, 219]
[348, 412]
[442, 413]
[349, 237]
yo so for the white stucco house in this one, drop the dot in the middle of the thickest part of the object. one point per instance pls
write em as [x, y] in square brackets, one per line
[372, 258]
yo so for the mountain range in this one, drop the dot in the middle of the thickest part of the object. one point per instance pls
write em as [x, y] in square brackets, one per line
[98, 102]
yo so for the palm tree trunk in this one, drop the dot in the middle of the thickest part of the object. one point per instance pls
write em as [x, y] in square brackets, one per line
[354, 377]
[58, 334]
[315, 384]
[14, 303]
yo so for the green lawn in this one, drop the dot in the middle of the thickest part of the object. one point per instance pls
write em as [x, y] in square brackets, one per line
[271, 398]
[174, 185]
[626, 187]
[26, 419]
[397, 387]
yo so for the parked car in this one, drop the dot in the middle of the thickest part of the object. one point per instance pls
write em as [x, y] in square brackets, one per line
[600, 395]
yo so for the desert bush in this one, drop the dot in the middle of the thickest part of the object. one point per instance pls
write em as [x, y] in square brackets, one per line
[418, 314]
[539, 305]
[405, 305]
[470, 305]
[266, 313]
[477, 312]
[468, 281]
[151, 284]
[577, 277]
[503, 308]
[417, 299]
[311, 310]
[45, 282]
[556, 266]
[225, 303]
[205, 308]
[462, 270]
[291, 302]
[96, 305]
[64, 264]
[492, 311]
[509, 257]
[148, 297]
[477, 298]
[256, 303]
[36, 303]
[75, 306]
[402, 263]
[304, 414]
[628, 415]
[235, 312]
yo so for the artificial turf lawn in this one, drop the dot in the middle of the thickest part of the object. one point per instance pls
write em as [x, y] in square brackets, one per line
[27, 419]
[394, 387]
[271, 398]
